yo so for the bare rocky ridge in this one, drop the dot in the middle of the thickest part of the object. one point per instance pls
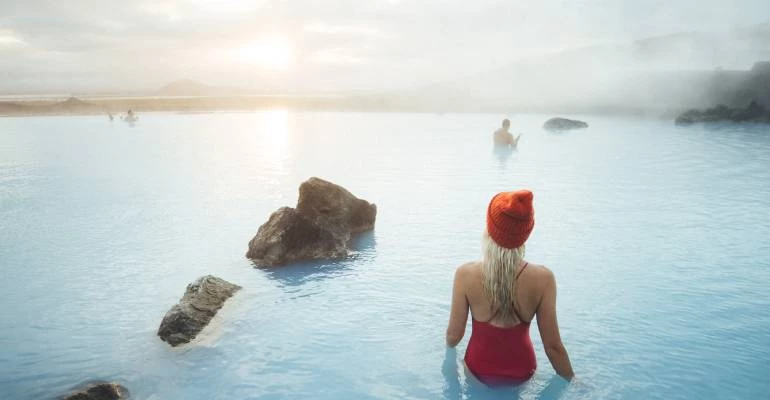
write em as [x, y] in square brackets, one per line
[320, 227]
[201, 301]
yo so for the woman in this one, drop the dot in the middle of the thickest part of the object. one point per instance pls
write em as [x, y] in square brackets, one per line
[504, 293]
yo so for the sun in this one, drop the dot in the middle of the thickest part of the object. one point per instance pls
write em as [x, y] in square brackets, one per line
[271, 53]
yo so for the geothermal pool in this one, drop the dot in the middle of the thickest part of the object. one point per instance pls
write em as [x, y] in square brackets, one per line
[657, 234]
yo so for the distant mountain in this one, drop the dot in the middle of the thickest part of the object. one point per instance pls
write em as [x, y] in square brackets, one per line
[73, 104]
[688, 69]
[188, 87]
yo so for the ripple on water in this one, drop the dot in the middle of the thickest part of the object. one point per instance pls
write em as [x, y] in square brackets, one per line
[654, 233]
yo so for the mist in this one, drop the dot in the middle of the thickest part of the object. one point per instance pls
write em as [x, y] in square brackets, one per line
[670, 72]
[438, 55]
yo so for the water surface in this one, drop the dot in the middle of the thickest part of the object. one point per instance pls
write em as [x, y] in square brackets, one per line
[657, 236]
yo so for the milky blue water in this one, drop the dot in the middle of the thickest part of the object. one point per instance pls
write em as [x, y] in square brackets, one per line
[658, 236]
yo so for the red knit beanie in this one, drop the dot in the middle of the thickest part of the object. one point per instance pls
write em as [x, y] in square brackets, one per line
[510, 218]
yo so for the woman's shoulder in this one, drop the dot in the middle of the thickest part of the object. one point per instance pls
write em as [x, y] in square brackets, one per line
[468, 269]
[541, 272]
[470, 266]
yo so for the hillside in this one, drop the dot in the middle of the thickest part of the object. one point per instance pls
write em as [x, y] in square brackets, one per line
[660, 73]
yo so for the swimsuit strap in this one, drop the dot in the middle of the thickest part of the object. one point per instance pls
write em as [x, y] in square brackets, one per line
[515, 311]
[522, 270]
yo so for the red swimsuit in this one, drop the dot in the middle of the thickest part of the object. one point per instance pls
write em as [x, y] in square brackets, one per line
[501, 355]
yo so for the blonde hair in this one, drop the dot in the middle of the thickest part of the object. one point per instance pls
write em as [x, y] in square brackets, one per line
[499, 267]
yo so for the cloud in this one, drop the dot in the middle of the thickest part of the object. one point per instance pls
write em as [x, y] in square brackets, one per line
[325, 28]
[8, 40]
[368, 44]
[336, 56]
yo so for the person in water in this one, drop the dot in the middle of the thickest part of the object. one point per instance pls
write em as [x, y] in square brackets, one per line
[502, 137]
[504, 293]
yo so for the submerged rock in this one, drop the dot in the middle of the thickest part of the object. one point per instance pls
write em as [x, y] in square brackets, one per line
[320, 227]
[754, 112]
[201, 301]
[561, 124]
[100, 391]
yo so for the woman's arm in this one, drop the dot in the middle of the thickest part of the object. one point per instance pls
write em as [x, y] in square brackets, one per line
[549, 330]
[458, 314]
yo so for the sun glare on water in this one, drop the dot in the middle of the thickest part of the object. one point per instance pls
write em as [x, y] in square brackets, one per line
[272, 53]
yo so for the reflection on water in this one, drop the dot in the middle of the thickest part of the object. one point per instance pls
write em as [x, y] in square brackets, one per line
[297, 274]
[554, 389]
[275, 124]
[642, 222]
[452, 387]
[503, 153]
[459, 383]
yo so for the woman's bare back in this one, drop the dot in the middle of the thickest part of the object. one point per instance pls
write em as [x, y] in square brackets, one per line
[535, 296]
[528, 293]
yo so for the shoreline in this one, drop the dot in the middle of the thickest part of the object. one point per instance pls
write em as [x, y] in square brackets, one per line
[200, 105]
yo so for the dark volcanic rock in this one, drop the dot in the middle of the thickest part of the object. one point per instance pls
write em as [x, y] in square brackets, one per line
[755, 112]
[334, 206]
[199, 304]
[320, 227]
[100, 391]
[290, 236]
[561, 124]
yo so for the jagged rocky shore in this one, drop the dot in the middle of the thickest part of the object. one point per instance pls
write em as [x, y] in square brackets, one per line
[754, 112]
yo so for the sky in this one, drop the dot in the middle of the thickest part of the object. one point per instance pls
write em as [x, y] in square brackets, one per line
[314, 45]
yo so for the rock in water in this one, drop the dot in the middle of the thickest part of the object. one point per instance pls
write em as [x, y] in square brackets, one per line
[335, 206]
[561, 124]
[290, 236]
[100, 391]
[754, 112]
[320, 227]
[201, 301]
